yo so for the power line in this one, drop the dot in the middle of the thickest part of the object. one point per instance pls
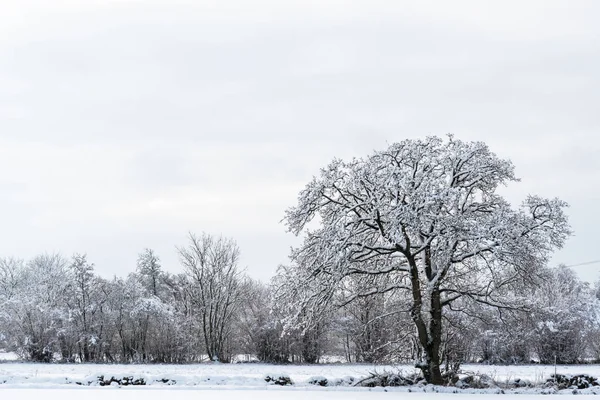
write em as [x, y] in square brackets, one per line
[585, 263]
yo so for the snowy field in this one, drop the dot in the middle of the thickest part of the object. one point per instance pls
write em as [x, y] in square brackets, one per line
[17, 379]
[130, 394]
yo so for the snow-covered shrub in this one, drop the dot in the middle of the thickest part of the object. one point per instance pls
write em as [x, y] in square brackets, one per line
[518, 383]
[167, 381]
[344, 381]
[279, 379]
[124, 381]
[387, 378]
[581, 381]
[318, 381]
[476, 382]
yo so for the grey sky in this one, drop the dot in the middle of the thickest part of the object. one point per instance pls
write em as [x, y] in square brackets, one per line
[126, 124]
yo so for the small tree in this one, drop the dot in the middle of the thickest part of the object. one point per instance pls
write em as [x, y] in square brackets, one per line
[11, 285]
[82, 305]
[216, 290]
[563, 317]
[148, 266]
[427, 214]
[39, 306]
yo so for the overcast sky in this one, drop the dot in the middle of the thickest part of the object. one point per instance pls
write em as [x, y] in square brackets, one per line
[127, 124]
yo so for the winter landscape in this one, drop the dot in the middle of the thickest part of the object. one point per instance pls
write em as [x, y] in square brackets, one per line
[299, 199]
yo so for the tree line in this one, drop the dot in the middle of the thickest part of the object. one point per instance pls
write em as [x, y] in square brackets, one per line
[415, 257]
[58, 309]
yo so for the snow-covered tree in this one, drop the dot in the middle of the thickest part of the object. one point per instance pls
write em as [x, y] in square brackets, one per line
[259, 326]
[11, 282]
[10, 277]
[426, 213]
[148, 266]
[216, 289]
[38, 309]
[563, 317]
[84, 302]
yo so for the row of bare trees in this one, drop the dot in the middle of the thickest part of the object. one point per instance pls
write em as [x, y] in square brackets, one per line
[57, 309]
[54, 309]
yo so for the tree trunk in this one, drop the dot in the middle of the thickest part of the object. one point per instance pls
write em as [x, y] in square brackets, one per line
[430, 339]
[432, 350]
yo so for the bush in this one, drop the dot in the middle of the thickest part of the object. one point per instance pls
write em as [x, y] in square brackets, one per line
[279, 379]
[318, 381]
[345, 381]
[518, 383]
[476, 382]
[581, 381]
[388, 379]
[125, 381]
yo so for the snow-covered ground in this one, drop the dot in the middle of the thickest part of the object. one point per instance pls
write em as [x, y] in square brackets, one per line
[246, 376]
[8, 356]
[129, 394]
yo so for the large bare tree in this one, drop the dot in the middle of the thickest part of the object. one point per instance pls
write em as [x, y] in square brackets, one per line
[426, 214]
